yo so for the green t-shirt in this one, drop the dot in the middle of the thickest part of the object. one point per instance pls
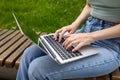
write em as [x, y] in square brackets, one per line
[106, 9]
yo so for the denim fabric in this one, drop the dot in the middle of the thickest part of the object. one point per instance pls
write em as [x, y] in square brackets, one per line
[36, 65]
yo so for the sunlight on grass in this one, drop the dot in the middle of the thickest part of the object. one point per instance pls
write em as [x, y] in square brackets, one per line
[42, 15]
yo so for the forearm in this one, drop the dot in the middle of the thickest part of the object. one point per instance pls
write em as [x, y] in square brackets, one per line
[112, 32]
[83, 16]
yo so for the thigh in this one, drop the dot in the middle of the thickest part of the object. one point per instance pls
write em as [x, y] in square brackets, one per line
[33, 52]
[97, 65]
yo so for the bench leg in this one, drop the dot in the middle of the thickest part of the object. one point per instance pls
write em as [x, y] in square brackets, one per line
[102, 77]
[116, 75]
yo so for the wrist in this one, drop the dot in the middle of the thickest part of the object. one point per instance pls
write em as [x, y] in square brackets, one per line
[75, 24]
[94, 36]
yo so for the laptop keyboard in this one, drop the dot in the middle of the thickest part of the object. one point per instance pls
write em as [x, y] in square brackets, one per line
[62, 52]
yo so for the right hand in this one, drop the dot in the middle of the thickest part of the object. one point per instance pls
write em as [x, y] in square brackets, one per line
[60, 32]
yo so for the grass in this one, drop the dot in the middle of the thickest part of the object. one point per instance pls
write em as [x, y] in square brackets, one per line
[41, 15]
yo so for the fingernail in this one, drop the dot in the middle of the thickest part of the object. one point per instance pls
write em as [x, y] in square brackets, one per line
[59, 40]
[73, 50]
[54, 38]
[66, 47]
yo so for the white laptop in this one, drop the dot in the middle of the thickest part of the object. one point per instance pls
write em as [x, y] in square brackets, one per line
[54, 48]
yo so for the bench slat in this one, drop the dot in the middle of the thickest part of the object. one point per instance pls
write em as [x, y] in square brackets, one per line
[10, 61]
[6, 34]
[3, 31]
[9, 43]
[6, 39]
[9, 51]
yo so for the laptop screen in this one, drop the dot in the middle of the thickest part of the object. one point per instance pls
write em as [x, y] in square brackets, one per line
[27, 31]
[30, 33]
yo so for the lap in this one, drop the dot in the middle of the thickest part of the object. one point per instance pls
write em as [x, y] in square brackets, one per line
[103, 63]
[97, 65]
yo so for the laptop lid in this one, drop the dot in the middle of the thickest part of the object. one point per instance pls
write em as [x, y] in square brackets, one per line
[29, 32]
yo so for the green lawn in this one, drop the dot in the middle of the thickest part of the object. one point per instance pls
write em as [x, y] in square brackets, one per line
[42, 15]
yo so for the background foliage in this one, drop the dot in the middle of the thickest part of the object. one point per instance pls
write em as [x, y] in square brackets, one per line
[42, 15]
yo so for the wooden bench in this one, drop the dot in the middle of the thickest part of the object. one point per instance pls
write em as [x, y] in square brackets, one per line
[12, 45]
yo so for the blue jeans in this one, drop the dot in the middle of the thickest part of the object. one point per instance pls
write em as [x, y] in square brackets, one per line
[36, 65]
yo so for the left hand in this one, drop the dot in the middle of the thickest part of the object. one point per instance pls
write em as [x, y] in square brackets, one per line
[80, 40]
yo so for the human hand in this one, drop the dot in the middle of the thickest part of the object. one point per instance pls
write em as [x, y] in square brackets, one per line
[60, 32]
[79, 40]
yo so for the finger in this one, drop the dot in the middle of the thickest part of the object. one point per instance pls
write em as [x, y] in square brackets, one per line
[56, 34]
[72, 31]
[71, 44]
[65, 34]
[78, 47]
[68, 41]
[61, 35]
[68, 35]
[66, 38]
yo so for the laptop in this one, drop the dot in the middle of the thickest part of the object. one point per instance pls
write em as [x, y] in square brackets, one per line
[54, 48]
